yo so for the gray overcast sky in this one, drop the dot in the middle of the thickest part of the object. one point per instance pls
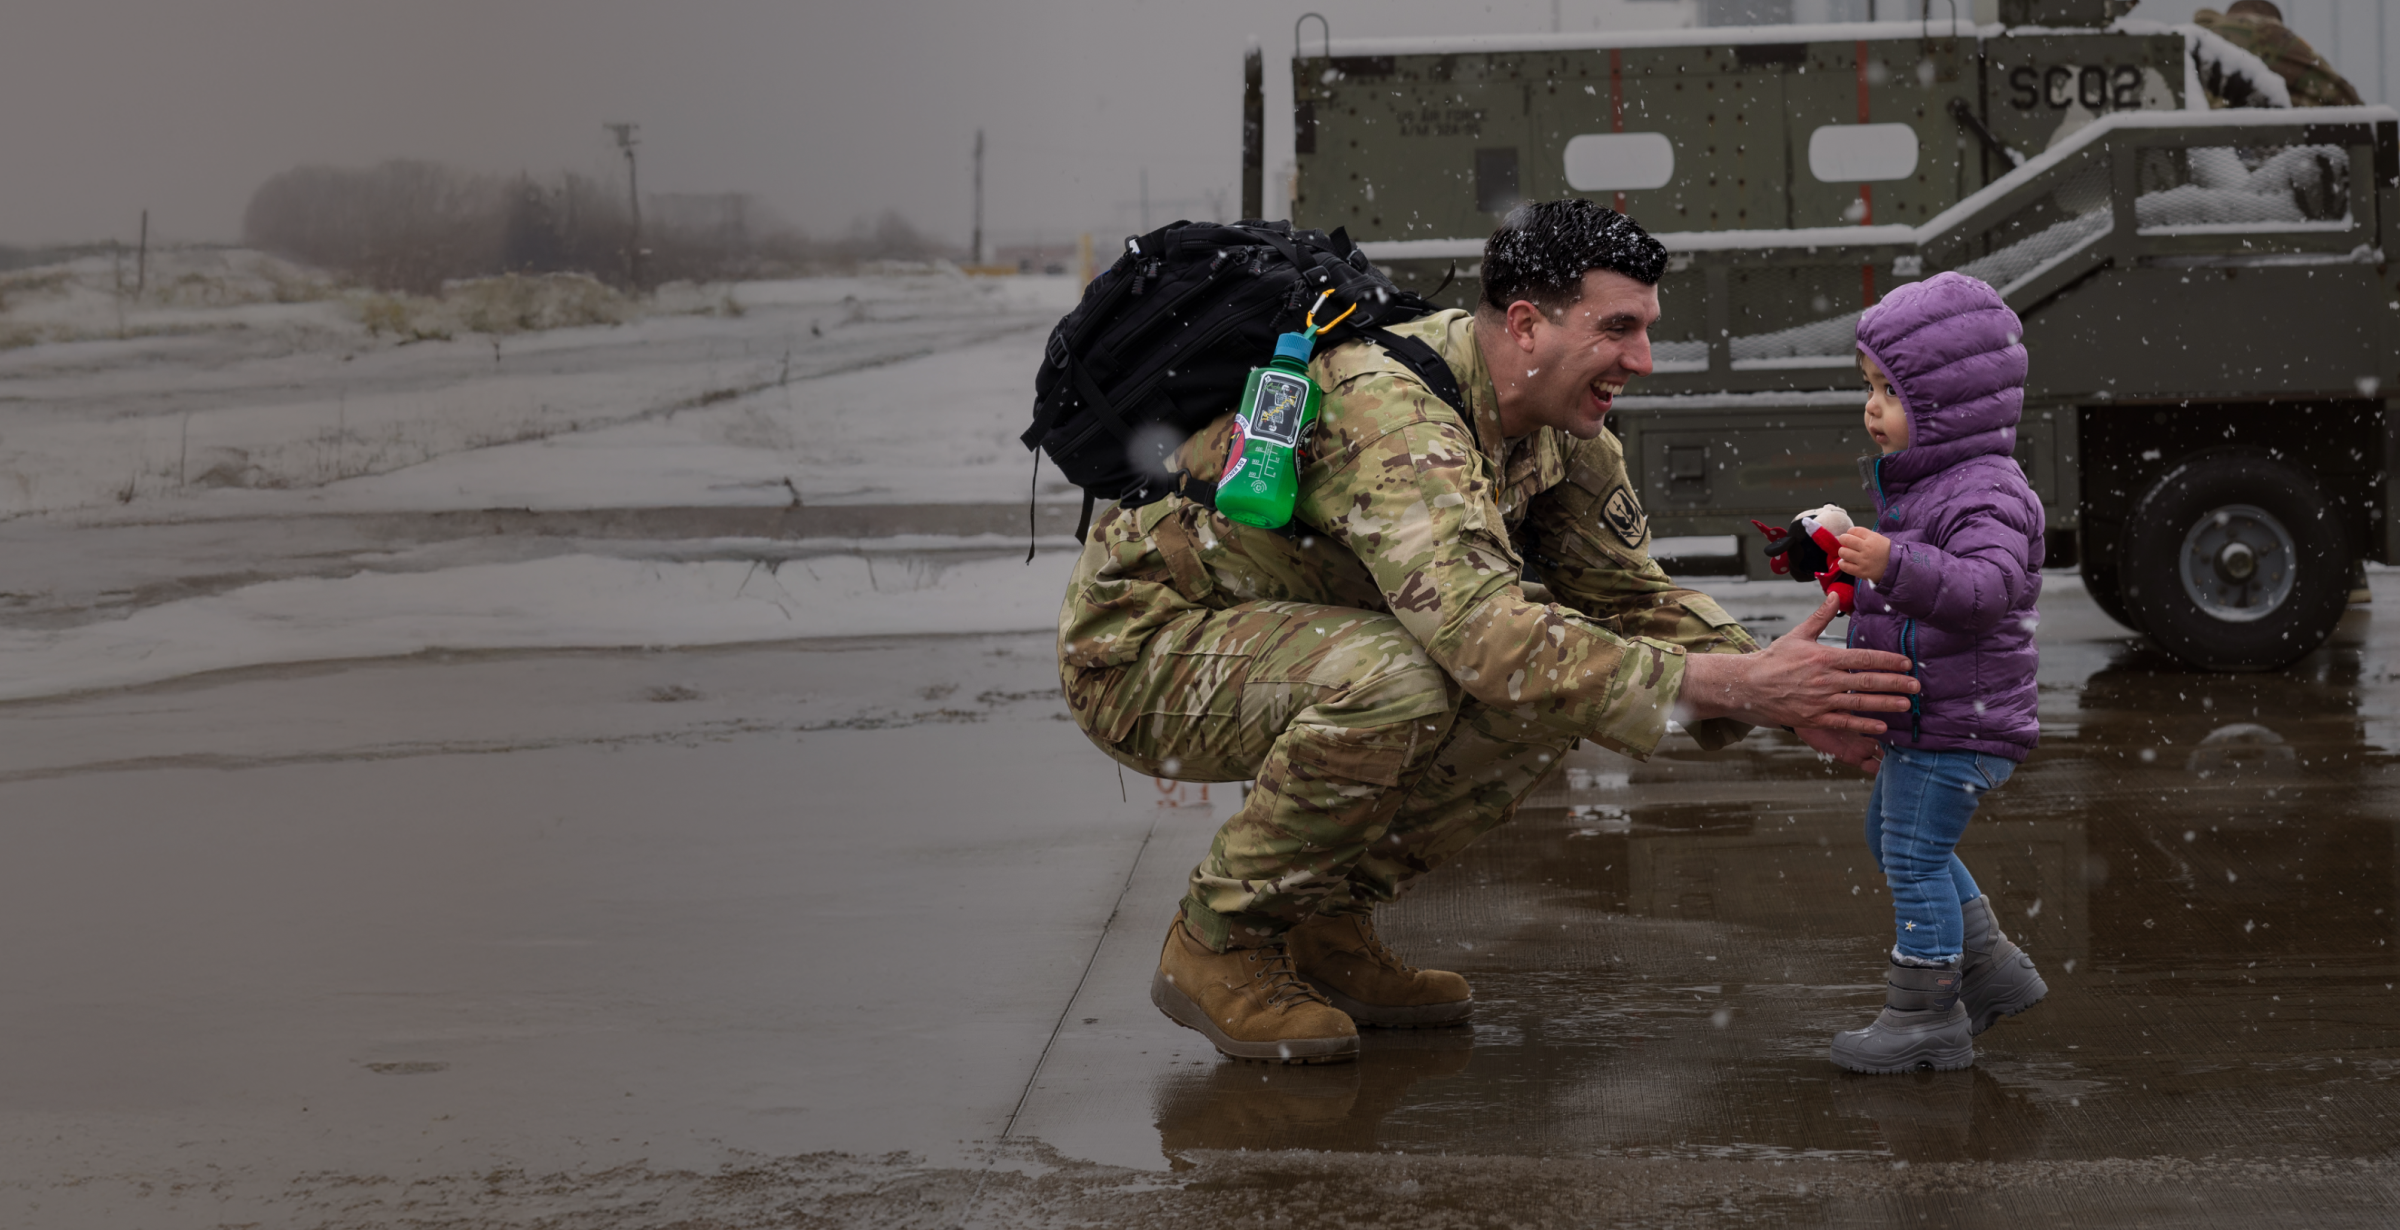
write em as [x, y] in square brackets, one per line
[829, 112]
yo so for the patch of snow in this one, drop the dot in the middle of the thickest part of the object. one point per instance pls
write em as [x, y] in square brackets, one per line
[940, 429]
[1940, 26]
[1696, 546]
[2228, 197]
[2231, 73]
[1777, 398]
[1830, 342]
[2019, 263]
[831, 389]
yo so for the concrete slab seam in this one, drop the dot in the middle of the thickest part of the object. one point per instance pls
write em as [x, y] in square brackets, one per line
[1031, 1078]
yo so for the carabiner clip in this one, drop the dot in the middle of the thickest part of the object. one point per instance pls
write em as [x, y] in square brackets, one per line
[1311, 319]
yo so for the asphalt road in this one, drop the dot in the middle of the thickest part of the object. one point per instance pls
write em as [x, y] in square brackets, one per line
[859, 934]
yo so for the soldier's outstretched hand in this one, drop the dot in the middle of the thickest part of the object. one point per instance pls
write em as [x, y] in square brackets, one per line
[1797, 682]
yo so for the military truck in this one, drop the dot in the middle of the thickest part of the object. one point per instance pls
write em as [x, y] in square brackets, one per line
[2209, 297]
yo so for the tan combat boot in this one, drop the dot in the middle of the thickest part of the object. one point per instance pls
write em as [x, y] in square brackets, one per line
[1248, 1002]
[1342, 956]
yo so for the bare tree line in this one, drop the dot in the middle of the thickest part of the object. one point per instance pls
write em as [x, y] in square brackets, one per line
[411, 226]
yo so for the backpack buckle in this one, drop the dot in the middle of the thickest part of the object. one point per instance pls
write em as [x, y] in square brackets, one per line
[1056, 351]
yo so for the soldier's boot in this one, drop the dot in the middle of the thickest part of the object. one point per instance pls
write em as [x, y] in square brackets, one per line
[1922, 1026]
[1248, 1003]
[1343, 958]
[1996, 979]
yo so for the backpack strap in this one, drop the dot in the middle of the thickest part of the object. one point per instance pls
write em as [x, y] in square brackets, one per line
[1283, 243]
[1428, 366]
[1192, 578]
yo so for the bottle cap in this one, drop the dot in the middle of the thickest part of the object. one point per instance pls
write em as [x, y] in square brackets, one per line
[1298, 347]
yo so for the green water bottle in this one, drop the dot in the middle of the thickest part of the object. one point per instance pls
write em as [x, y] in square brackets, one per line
[1262, 475]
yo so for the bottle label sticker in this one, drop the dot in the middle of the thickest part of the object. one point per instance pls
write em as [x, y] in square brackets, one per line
[1275, 416]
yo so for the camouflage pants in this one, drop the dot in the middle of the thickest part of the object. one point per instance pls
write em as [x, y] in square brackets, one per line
[1372, 765]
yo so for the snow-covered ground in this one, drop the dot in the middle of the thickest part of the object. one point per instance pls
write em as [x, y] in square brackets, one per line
[795, 391]
[263, 486]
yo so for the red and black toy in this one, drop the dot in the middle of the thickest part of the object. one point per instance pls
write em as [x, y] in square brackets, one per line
[1810, 549]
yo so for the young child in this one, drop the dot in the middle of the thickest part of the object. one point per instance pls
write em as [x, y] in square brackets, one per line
[1951, 571]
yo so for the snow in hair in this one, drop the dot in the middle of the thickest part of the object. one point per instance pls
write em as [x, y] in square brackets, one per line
[1545, 248]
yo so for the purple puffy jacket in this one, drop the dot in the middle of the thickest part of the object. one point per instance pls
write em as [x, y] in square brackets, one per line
[1966, 530]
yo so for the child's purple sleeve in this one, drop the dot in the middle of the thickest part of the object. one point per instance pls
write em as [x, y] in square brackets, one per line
[1976, 576]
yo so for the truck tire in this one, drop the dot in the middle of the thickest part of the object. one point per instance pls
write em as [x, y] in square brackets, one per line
[2234, 561]
[2101, 577]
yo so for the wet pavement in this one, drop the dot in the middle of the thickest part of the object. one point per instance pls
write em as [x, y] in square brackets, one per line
[2203, 866]
[860, 935]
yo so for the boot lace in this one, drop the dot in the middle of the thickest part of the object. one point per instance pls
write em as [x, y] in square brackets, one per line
[1282, 983]
[1381, 951]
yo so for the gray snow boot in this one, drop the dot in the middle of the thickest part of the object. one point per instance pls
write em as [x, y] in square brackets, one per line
[1997, 979]
[1922, 1026]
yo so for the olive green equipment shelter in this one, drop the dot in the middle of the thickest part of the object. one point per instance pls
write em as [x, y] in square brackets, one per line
[2210, 307]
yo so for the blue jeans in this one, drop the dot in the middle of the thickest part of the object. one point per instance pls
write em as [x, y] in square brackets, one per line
[1920, 806]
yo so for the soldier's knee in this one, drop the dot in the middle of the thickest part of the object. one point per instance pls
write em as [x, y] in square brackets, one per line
[1403, 688]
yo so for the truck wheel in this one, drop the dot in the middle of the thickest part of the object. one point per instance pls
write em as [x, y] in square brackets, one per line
[2101, 577]
[2234, 562]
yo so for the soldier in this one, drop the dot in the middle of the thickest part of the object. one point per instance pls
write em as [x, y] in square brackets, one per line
[1385, 674]
[2256, 26]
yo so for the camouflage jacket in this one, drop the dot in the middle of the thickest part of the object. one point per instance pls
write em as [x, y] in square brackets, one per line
[1405, 509]
[2311, 79]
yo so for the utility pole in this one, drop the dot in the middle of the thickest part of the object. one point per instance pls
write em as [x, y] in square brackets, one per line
[1254, 132]
[978, 247]
[633, 196]
[141, 258]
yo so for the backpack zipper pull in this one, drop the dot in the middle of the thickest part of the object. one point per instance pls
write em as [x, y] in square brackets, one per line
[1143, 271]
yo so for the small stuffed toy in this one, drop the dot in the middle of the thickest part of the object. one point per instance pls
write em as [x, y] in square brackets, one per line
[1809, 550]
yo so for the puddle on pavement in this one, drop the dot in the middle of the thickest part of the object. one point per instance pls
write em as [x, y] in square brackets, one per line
[2204, 866]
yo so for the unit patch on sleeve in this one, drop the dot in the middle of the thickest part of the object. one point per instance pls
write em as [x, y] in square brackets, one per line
[1621, 513]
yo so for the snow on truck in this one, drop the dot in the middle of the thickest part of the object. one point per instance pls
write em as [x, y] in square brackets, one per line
[2208, 294]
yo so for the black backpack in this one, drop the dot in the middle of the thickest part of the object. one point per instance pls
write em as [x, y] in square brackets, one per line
[1164, 340]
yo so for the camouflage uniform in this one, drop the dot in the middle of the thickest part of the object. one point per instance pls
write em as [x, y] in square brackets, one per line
[2308, 76]
[1383, 674]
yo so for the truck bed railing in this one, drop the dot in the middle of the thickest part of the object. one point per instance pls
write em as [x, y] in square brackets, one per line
[1759, 310]
[2131, 189]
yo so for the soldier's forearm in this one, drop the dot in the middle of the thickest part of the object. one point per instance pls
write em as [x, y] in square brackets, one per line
[1717, 686]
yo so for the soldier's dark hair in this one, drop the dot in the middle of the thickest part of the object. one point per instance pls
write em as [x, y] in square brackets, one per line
[2253, 8]
[1543, 249]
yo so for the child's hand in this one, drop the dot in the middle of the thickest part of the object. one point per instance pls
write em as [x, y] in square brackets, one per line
[1857, 751]
[1865, 553]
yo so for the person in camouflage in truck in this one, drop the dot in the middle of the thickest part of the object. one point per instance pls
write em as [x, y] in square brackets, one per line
[1385, 671]
[2256, 26]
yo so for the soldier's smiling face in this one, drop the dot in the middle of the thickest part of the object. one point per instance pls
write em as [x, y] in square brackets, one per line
[1564, 368]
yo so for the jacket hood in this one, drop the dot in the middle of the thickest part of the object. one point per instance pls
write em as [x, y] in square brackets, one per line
[1955, 354]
